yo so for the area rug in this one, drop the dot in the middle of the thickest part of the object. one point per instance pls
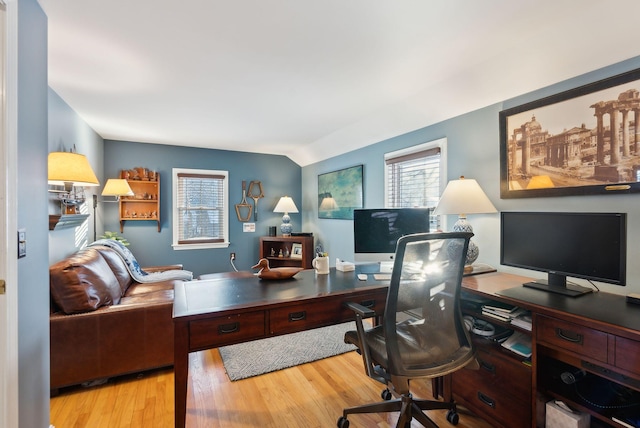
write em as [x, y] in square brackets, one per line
[275, 353]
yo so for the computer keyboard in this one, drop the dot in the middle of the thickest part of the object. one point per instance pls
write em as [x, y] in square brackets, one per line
[382, 276]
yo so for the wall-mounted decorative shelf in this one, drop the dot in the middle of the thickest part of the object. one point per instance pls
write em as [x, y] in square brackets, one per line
[144, 205]
[57, 222]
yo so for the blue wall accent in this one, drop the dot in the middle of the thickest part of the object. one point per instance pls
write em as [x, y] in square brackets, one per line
[473, 151]
[33, 274]
[278, 174]
[66, 131]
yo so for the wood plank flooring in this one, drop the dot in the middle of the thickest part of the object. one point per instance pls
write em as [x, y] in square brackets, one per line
[310, 395]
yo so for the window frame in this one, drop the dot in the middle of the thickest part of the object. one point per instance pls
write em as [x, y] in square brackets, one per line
[225, 209]
[441, 144]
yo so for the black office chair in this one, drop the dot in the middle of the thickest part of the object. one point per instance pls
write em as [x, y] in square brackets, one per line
[422, 333]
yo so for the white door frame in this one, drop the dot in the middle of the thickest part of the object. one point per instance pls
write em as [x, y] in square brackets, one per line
[9, 215]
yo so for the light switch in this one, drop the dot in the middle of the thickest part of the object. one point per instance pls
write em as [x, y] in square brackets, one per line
[22, 243]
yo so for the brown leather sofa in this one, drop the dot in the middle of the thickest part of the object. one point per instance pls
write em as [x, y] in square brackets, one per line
[103, 323]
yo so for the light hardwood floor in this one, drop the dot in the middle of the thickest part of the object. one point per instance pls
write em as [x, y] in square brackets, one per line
[309, 395]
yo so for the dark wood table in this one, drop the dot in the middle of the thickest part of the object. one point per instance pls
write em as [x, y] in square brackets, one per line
[229, 308]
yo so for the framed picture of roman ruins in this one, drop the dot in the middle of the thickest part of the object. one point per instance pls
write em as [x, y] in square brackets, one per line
[583, 141]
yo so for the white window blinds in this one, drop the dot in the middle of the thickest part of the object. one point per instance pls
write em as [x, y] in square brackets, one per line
[413, 179]
[201, 208]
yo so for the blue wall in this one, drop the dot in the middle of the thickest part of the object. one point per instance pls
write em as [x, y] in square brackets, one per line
[66, 131]
[33, 277]
[473, 151]
[278, 174]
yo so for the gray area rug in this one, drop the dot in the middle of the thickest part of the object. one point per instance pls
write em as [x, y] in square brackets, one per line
[275, 353]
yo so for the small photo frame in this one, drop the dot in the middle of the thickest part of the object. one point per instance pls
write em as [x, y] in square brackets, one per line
[296, 251]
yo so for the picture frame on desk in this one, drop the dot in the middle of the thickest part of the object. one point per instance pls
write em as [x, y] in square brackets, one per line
[296, 251]
[562, 144]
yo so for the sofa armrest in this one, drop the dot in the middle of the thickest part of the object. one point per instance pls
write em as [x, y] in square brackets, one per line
[162, 268]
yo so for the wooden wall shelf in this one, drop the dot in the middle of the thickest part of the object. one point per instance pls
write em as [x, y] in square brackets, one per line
[144, 205]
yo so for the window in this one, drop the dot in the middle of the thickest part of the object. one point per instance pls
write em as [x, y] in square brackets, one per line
[200, 209]
[413, 177]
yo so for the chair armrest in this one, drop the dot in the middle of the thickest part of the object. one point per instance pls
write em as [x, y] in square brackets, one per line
[363, 311]
[162, 268]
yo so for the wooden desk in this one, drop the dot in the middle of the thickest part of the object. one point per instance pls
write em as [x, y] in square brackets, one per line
[598, 333]
[232, 308]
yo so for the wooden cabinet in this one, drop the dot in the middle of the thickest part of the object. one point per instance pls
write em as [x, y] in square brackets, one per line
[144, 205]
[500, 390]
[278, 250]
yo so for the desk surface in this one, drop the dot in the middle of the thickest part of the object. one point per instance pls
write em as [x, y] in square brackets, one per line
[606, 309]
[231, 291]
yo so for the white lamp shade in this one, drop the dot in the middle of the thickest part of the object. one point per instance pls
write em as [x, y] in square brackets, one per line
[464, 196]
[67, 167]
[285, 205]
[117, 187]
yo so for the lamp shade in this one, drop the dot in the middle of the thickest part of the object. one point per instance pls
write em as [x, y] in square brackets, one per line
[328, 203]
[464, 196]
[285, 205]
[117, 187]
[70, 169]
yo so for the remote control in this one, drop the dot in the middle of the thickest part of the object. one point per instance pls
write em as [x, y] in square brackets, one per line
[362, 277]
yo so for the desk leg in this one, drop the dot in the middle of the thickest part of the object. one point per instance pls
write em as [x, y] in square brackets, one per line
[180, 371]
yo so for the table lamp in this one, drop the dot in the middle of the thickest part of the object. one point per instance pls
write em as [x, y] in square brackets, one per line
[285, 205]
[462, 197]
[328, 203]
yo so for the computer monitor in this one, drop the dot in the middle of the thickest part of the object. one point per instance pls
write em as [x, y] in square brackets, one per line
[376, 232]
[590, 246]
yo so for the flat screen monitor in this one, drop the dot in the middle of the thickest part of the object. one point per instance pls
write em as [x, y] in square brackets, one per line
[376, 232]
[591, 246]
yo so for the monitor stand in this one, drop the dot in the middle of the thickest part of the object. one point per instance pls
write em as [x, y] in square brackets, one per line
[386, 267]
[571, 290]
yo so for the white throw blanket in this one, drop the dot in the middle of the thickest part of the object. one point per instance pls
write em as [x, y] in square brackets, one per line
[134, 267]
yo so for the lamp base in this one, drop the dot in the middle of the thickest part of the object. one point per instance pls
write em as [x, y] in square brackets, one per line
[286, 227]
[462, 225]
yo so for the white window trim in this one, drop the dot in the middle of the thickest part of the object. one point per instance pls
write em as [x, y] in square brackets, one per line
[439, 143]
[174, 208]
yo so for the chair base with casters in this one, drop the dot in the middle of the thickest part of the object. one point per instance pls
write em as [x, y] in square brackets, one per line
[408, 407]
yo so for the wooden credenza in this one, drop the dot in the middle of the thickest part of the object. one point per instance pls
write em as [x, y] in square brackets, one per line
[595, 337]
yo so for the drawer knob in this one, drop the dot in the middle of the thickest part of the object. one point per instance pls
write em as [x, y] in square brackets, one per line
[569, 336]
[368, 303]
[486, 400]
[228, 328]
[487, 366]
[297, 316]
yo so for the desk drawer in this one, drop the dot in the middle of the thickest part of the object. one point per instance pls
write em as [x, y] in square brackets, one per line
[304, 316]
[220, 331]
[572, 337]
[499, 389]
[628, 354]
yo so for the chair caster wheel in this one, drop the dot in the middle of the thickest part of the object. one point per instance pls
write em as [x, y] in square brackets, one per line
[452, 417]
[386, 395]
[343, 422]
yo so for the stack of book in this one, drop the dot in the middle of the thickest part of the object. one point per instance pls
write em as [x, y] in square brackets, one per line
[523, 320]
[508, 313]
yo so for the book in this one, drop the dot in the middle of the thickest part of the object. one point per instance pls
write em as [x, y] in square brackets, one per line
[523, 320]
[500, 306]
[520, 343]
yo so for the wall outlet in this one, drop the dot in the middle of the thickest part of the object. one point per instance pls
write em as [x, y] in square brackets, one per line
[232, 256]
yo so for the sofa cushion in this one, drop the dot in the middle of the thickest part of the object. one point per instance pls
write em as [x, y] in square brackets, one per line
[83, 282]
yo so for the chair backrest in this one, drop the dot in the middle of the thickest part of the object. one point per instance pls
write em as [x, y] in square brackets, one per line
[423, 325]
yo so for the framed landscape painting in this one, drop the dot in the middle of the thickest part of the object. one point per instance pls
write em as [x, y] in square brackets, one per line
[340, 192]
[583, 141]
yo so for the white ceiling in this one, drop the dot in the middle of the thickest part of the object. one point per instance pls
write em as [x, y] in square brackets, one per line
[311, 79]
